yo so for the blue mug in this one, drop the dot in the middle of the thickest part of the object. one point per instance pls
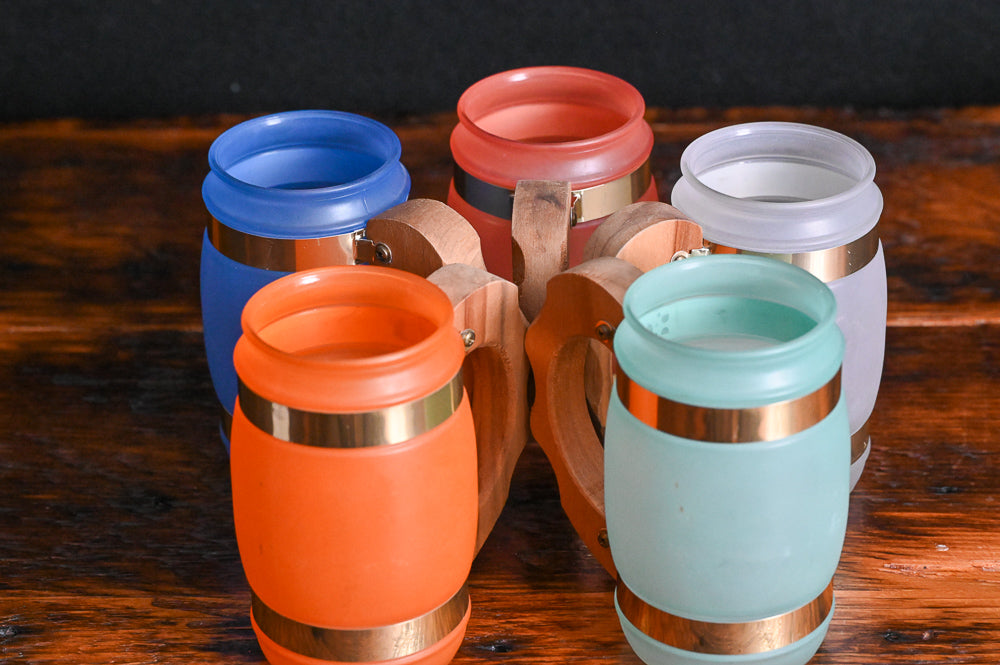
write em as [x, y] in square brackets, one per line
[727, 462]
[287, 192]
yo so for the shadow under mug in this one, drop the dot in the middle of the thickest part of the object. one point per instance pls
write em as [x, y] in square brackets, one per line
[548, 123]
[354, 468]
[803, 195]
[287, 192]
[726, 462]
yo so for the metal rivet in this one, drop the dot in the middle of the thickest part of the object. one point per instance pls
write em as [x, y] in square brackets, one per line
[604, 330]
[684, 254]
[382, 253]
[468, 337]
[602, 538]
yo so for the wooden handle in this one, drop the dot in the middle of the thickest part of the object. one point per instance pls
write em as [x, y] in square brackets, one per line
[430, 239]
[646, 234]
[496, 378]
[582, 305]
[539, 230]
[421, 235]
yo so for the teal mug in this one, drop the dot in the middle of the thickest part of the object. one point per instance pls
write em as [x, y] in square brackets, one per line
[727, 462]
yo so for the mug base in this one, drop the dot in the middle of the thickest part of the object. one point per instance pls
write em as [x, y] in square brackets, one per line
[440, 653]
[653, 652]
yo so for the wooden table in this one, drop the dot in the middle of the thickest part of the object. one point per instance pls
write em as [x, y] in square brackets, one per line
[116, 537]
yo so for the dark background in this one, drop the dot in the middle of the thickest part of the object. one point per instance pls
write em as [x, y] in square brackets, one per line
[154, 58]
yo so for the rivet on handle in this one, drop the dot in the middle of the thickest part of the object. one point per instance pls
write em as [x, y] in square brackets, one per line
[685, 254]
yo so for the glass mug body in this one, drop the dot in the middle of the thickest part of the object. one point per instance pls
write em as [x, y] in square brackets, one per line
[548, 123]
[806, 195]
[352, 446]
[286, 191]
[727, 461]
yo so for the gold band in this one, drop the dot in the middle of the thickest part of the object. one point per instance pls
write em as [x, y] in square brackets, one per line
[290, 254]
[588, 203]
[393, 424]
[860, 441]
[367, 644]
[725, 638]
[826, 264]
[762, 423]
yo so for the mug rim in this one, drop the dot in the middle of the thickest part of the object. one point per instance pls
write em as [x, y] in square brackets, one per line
[681, 286]
[348, 384]
[730, 378]
[226, 150]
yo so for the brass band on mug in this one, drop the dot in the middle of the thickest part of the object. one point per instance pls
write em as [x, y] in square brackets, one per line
[287, 254]
[826, 264]
[725, 638]
[761, 423]
[382, 427]
[588, 203]
[362, 645]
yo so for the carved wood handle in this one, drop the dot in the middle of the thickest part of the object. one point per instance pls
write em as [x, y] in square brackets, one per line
[584, 304]
[430, 239]
[421, 235]
[539, 231]
[496, 378]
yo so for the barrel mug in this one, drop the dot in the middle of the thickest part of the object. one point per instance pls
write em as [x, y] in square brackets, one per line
[286, 192]
[548, 123]
[353, 465]
[727, 462]
[804, 195]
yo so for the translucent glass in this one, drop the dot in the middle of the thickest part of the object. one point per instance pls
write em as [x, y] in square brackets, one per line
[300, 174]
[727, 532]
[787, 188]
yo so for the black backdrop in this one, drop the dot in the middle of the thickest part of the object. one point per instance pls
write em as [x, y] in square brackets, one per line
[150, 58]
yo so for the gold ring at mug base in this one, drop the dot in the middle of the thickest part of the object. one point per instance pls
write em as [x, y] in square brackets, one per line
[860, 441]
[762, 423]
[826, 264]
[362, 645]
[588, 203]
[284, 254]
[382, 427]
[730, 639]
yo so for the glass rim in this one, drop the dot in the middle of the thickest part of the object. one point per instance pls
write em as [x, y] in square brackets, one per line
[365, 131]
[682, 286]
[320, 288]
[629, 100]
[861, 180]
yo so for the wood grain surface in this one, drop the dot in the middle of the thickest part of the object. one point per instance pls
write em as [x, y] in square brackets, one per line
[116, 537]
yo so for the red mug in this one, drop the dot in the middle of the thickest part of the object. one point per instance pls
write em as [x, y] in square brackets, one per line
[548, 123]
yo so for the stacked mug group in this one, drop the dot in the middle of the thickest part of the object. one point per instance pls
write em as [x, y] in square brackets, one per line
[743, 379]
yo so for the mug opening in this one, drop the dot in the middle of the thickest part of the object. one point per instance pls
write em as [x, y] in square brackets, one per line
[726, 322]
[550, 105]
[732, 306]
[346, 332]
[303, 150]
[356, 315]
[774, 162]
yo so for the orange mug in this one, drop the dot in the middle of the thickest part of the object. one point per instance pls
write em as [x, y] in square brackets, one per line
[354, 468]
